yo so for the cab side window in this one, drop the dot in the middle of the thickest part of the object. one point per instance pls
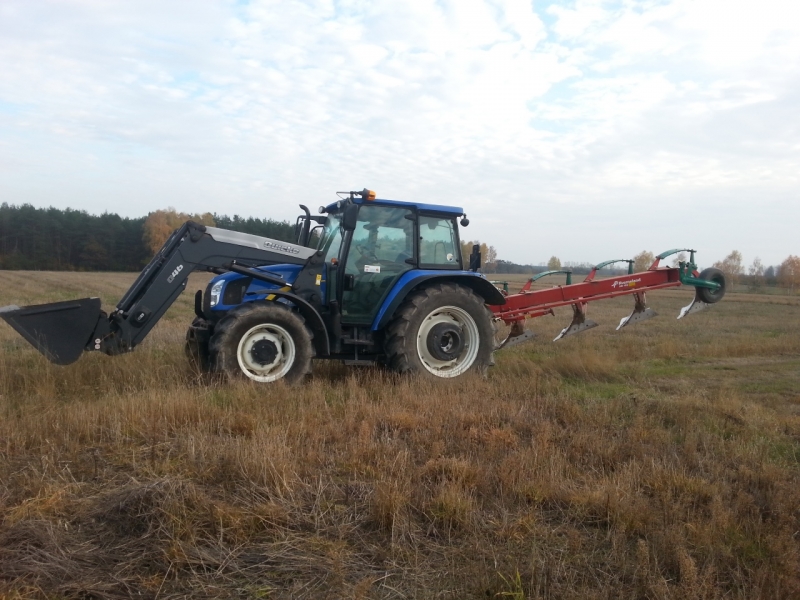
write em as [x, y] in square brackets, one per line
[437, 242]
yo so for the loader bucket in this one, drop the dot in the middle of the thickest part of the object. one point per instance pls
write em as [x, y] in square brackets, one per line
[60, 330]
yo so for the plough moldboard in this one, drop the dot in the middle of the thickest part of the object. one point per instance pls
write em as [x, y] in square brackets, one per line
[528, 304]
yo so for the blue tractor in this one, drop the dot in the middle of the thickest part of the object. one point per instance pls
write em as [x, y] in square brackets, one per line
[377, 281]
[366, 281]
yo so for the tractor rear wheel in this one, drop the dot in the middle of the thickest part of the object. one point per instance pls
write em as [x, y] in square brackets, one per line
[442, 331]
[265, 342]
[708, 295]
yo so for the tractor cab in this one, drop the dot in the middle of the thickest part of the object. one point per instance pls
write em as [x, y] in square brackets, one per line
[368, 244]
[374, 268]
[368, 255]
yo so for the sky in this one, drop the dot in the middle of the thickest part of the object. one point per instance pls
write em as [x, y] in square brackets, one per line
[584, 129]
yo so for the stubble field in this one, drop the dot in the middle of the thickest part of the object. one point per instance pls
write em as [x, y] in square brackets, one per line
[662, 461]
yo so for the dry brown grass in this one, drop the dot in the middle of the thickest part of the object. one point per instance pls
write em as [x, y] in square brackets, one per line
[657, 462]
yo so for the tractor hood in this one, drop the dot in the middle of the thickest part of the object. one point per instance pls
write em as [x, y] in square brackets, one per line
[231, 289]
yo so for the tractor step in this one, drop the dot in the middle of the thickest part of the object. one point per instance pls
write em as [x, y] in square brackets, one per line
[59, 330]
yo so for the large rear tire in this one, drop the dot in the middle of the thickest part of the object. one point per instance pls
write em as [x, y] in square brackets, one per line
[708, 295]
[264, 342]
[441, 332]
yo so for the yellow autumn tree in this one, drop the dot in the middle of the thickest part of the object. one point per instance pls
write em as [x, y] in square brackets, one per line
[488, 255]
[731, 265]
[642, 261]
[160, 224]
[789, 273]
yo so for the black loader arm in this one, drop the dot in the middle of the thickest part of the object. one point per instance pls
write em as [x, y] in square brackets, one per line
[63, 330]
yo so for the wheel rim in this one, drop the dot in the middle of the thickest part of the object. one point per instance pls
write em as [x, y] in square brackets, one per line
[721, 282]
[250, 355]
[454, 316]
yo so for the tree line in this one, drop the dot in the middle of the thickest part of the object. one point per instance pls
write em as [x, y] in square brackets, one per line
[52, 239]
[757, 275]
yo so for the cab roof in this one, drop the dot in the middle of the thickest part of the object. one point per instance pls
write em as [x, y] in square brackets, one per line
[455, 211]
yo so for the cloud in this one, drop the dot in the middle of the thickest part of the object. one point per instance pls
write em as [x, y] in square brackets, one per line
[630, 124]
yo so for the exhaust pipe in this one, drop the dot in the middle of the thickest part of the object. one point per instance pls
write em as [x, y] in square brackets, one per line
[59, 330]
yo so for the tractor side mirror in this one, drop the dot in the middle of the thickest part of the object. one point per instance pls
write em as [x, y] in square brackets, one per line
[349, 217]
[349, 282]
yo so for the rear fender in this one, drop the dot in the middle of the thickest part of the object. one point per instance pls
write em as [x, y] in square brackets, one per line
[413, 280]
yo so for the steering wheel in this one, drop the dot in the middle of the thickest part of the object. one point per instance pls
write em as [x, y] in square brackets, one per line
[368, 258]
[367, 255]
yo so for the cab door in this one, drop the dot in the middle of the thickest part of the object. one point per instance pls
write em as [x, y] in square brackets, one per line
[381, 249]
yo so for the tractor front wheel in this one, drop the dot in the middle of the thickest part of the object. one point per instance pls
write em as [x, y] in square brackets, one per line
[442, 331]
[263, 342]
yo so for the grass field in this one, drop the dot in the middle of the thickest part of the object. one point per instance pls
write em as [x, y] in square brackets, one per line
[662, 461]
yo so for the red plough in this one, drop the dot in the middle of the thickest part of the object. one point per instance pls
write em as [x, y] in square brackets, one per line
[527, 304]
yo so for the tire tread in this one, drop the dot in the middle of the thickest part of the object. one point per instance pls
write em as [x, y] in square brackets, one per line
[222, 355]
[400, 333]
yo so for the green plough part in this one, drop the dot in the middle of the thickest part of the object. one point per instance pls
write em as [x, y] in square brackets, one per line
[687, 268]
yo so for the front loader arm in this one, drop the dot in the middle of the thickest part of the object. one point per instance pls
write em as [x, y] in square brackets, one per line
[63, 330]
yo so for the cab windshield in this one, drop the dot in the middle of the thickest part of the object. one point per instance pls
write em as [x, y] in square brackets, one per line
[331, 239]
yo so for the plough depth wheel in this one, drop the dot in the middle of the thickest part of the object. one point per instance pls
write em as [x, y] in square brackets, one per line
[707, 295]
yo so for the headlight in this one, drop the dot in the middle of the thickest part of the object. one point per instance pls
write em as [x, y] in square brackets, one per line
[216, 291]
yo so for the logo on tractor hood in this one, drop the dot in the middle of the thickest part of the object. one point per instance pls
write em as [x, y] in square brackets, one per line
[281, 248]
[628, 283]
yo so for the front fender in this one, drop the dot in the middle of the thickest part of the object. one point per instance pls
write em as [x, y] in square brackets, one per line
[313, 320]
[413, 279]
